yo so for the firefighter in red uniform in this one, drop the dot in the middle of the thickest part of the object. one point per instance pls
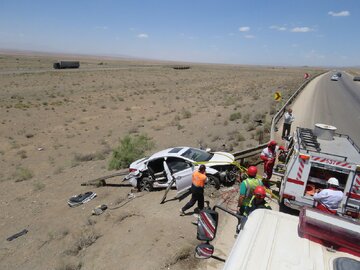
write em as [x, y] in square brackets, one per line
[268, 155]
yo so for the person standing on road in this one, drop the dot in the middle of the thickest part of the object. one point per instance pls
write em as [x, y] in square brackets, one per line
[329, 199]
[288, 119]
[247, 188]
[197, 190]
[268, 155]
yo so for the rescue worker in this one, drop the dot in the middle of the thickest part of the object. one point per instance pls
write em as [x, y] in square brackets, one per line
[268, 155]
[257, 201]
[247, 188]
[329, 199]
[197, 190]
[288, 119]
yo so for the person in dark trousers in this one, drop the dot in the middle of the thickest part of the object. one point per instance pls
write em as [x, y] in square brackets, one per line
[197, 190]
[288, 119]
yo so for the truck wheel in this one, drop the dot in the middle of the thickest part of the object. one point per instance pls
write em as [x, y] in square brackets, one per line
[213, 181]
[145, 184]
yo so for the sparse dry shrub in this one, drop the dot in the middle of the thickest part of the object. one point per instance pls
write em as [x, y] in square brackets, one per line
[66, 265]
[86, 238]
[38, 186]
[22, 154]
[185, 114]
[183, 256]
[130, 149]
[251, 126]
[235, 116]
[23, 174]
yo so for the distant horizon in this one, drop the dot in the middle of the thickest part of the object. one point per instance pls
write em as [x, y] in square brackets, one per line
[310, 33]
[14, 52]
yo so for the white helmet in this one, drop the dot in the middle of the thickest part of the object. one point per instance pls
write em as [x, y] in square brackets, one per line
[333, 181]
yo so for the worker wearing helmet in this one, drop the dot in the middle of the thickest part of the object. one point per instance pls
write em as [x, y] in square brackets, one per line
[268, 155]
[329, 199]
[247, 188]
[257, 201]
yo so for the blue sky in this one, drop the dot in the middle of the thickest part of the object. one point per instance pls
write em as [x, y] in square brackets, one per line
[266, 32]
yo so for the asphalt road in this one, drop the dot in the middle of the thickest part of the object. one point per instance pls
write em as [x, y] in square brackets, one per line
[335, 103]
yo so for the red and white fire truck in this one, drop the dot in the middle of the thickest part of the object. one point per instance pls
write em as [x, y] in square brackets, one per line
[315, 155]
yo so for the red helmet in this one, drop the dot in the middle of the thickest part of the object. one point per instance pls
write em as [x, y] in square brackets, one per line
[272, 143]
[252, 171]
[260, 192]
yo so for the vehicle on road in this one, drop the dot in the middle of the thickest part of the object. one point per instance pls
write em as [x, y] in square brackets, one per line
[313, 157]
[356, 78]
[66, 64]
[334, 77]
[278, 241]
[179, 163]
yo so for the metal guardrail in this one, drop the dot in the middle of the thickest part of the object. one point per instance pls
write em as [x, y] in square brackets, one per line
[240, 156]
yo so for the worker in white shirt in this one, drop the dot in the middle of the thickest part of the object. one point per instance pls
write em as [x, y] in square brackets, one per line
[329, 199]
[288, 119]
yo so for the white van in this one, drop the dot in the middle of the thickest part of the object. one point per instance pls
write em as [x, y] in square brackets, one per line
[313, 157]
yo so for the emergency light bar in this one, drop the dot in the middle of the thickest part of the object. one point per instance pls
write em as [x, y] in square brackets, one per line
[304, 157]
[343, 234]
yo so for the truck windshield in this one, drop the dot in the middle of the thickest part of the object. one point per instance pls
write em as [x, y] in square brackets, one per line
[344, 263]
[197, 155]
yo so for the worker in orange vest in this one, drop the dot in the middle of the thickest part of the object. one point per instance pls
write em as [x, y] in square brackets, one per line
[197, 190]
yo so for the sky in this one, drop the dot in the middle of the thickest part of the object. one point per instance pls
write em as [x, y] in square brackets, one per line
[252, 32]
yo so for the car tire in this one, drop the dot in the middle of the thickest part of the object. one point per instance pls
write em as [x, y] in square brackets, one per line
[232, 175]
[213, 181]
[144, 184]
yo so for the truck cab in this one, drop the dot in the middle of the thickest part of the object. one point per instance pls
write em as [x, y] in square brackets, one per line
[277, 241]
[313, 157]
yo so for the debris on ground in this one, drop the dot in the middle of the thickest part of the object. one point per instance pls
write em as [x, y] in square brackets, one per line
[98, 210]
[16, 235]
[81, 198]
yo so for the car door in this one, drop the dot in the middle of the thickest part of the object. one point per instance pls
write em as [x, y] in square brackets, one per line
[182, 171]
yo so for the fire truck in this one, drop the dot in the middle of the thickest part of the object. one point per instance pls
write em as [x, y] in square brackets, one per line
[313, 156]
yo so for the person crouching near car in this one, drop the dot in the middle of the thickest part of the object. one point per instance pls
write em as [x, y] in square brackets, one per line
[257, 201]
[329, 199]
[197, 190]
[247, 188]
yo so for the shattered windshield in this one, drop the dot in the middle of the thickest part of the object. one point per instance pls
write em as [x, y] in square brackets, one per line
[197, 155]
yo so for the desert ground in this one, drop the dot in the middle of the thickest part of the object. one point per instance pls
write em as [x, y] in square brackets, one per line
[58, 130]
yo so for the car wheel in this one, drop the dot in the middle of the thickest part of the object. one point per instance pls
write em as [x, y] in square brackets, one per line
[233, 174]
[145, 184]
[213, 181]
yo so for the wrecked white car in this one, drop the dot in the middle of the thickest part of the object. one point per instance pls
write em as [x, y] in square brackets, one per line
[178, 163]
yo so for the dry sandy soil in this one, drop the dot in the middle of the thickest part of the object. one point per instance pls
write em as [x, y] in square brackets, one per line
[58, 128]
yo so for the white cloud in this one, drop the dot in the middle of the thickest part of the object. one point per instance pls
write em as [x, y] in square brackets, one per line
[344, 13]
[142, 36]
[301, 29]
[278, 28]
[101, 27]
[244, 29]
[314, 55]
[249, 36]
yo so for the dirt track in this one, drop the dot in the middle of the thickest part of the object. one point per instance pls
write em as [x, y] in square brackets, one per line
[58, 129]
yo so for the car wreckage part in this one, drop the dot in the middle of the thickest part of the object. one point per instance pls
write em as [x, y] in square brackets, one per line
[213, 181]
[145, 184]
